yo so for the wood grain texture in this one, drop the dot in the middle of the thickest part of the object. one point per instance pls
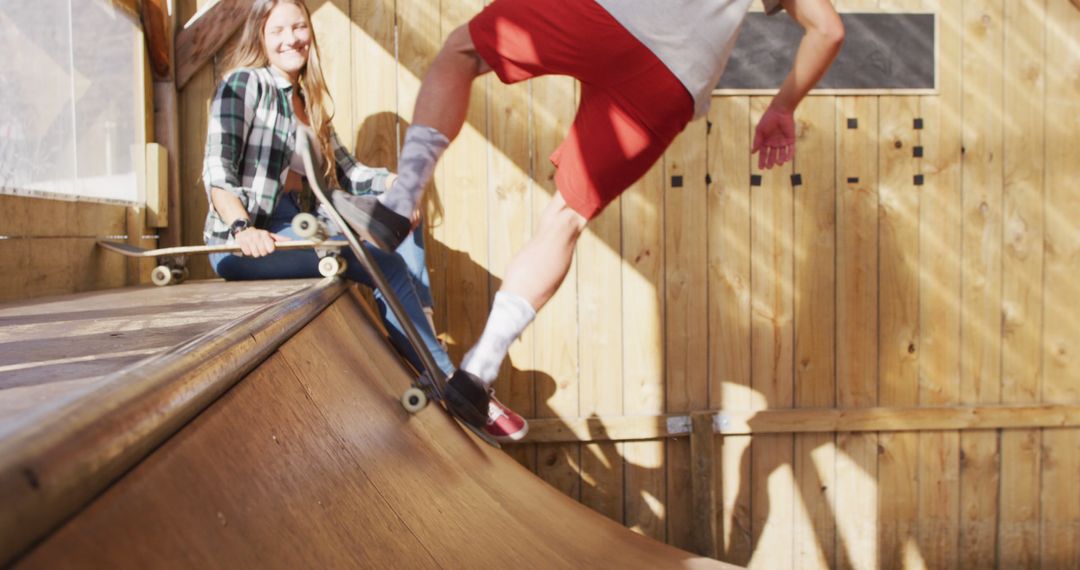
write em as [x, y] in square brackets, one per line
[856, 313]
[686, 332]
[201, 38]
[898, 309]
[59, 458]
[194, 114]
[643, 355]
[600, 312]
[772, 492]
[1023, 147]
[730, 310]
[940, 243]
[1061, 448]
[815, 327]
[316, 432]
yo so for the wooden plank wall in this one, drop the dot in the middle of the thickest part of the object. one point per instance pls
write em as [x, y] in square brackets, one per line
[926, 253]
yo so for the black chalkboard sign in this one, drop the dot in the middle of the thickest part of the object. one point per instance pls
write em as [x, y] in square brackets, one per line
[882, 53]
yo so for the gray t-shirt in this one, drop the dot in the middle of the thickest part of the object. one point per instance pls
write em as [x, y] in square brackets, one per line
[693, 38]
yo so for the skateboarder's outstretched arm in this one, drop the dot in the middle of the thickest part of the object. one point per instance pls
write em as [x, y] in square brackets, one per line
[774, 138]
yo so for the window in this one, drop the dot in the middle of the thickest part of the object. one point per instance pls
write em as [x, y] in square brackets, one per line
[71, 103]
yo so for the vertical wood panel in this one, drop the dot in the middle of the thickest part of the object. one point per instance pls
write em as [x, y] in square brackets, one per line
[898, 252]
[856, 314]
[194, 114]
[1061, 340]
[365, 99]
[898, 305]
[980, 372]
[331, 22]
[939, 292]
[815, 310]
[729, 311]
[685, 322]
[557, 325]
[643, 345]
[462, 182]
[772, 332]
[1023, 151]
[600, 306]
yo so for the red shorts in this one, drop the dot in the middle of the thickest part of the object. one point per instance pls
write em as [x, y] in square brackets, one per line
[631, 106]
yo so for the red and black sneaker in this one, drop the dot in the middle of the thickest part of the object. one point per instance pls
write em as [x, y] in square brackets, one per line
[503, 424]
[467, 398]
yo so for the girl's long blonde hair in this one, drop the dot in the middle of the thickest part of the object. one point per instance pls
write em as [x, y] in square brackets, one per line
[249, 52]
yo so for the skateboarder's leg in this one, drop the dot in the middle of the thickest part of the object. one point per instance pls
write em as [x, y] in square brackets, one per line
[440, 112]
[534, 274]
[607, 149]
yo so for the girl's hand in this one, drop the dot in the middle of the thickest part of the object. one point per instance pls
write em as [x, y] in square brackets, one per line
[254, 242]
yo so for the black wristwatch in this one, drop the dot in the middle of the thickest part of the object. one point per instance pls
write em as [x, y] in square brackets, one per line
[239, 225]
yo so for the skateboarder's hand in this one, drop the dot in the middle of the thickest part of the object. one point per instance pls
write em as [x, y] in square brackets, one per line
[774, 138]
[257, 243]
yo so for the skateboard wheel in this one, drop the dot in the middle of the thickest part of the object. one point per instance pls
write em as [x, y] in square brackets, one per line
[331, 265]
[179, 274]
[306, 226]
[414, 400]
[184, 274]
[162, 275]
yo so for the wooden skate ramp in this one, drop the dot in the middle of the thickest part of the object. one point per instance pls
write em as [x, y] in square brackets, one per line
[311, 462]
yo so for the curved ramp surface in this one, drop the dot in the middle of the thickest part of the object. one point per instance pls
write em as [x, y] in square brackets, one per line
[311, 462]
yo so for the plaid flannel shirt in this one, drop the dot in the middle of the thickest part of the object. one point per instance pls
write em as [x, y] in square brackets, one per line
[250, 141]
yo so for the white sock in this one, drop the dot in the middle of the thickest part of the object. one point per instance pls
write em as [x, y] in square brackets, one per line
[510, 314]
[422, 148]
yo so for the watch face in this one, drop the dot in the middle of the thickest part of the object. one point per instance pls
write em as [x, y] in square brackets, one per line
[239, 226]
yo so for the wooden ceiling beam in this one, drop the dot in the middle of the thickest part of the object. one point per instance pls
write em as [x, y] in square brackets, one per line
[204, 35]
[157, 34]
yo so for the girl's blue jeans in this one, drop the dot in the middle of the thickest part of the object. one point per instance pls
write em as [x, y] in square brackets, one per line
[405, 271]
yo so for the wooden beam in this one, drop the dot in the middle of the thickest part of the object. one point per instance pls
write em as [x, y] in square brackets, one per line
[805, 420]
[157, 186]
[167, 134]
[703, 486]
[157, 35]
[129, 7]
[204, 35]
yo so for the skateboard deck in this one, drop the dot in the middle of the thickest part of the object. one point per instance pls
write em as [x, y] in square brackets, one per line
[172, 261]
[431, 380]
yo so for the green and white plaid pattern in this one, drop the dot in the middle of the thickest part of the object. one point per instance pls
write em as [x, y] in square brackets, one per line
[250, 140]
